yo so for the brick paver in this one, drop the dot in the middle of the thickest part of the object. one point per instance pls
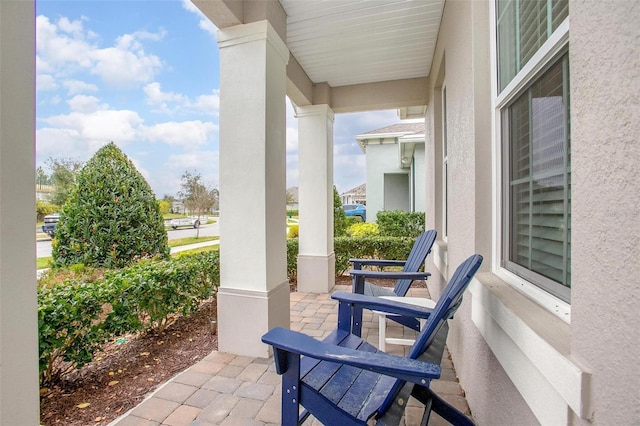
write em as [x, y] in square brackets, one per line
[225, 389]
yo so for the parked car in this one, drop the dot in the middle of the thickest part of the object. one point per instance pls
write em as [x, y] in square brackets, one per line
[50, 222]
[355, 210]
[194, 221]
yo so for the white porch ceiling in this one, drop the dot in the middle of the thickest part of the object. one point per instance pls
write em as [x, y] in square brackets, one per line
[346, 42]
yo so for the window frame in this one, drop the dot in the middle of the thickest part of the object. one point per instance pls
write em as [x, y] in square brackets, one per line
[445, 163]
[550, 51]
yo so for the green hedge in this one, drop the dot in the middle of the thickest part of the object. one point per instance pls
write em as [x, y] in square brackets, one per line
[76, 318]
[400, 224]
[346, 248]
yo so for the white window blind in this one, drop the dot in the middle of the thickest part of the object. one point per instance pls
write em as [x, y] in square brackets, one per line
[523, 26]
[538, 196]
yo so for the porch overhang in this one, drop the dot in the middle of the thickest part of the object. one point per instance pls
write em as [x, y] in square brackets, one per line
[348, 55]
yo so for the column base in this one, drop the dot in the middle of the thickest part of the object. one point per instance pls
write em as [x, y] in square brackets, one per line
[245, 315]
[316, 274]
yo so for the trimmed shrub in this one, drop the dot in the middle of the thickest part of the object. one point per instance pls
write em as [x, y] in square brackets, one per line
[400, 224]
[76, 318]
[339, 218]
[43, 208]
[112, 217]
[363, 229]
[292, 259]
[346, 248]
[293, 231]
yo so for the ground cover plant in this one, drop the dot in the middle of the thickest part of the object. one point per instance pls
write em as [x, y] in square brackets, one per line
[79, 312]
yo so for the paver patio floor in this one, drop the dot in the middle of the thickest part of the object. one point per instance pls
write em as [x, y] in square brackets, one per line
[226, 389]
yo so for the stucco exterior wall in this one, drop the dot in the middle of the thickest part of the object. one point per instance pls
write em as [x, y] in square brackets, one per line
[605, 108]
[461, 64]
[381, 159]
[512, 372]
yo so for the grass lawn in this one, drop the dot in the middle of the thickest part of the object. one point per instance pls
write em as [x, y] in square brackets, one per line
[191, 240]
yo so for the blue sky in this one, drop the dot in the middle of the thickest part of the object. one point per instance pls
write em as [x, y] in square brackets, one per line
[145, 74]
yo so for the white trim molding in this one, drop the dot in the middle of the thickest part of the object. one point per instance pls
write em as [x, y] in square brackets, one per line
[532, 345]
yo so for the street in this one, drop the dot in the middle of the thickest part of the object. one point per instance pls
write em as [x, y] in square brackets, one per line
[43, 248]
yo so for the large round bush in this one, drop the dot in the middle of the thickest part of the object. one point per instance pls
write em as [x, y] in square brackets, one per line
[111, 218]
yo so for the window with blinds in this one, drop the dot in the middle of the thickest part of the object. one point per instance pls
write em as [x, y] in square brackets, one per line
[537, 193]
[522, 27]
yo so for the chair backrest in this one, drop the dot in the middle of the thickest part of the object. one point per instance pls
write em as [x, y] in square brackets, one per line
[446, 306]
[421, 248]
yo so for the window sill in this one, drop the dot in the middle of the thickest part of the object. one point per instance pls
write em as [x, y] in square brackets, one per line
[532, 345]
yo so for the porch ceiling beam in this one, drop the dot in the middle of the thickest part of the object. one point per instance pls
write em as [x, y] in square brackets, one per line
[380, 95]
[229, 13]
[223, 13]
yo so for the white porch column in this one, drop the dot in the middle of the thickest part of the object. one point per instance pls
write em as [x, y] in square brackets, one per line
[19, 398]
[254, 292]
[316, 258]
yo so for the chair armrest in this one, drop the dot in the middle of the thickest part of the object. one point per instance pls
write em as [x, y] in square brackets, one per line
[357, 263]
[392, 275]
[293, 342]
[382, 304]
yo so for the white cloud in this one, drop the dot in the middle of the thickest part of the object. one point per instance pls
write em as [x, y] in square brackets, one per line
[190, 135]
[97, 127]
[120, 67]
[204, 23]
[85, 104]
[45, 83]
[63, 48]
[209, 104]
[75, 87]
[171, 102]
[160, 100]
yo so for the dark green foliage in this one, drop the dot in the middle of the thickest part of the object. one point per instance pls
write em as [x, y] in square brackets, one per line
[112, 217]
[346, 248]
[292, 258]
[339, 218]
[76, 318]
[400, 224]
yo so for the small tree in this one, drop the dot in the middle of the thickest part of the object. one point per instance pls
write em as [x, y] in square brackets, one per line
[63, 178]
[164, 206]
[196, 196]
[339, 218]
[111, 218]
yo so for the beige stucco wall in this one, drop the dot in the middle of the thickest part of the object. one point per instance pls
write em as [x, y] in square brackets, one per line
[605, 127]
[461, 63]
[600, 345]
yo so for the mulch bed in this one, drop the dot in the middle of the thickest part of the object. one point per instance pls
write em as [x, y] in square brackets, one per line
[123, 374]
[120, 377]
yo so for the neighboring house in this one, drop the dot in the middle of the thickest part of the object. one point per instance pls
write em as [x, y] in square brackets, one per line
[292, 198]
[357, 195]
[531, 159]
[395, 168]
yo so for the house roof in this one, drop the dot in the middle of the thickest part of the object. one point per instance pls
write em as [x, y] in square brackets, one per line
[358, 190]
[409, 128]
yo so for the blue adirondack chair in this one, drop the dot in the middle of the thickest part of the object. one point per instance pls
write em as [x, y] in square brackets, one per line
[343, 380]
[410, 272]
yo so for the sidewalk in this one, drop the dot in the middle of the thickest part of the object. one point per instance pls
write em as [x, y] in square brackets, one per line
[225, 389]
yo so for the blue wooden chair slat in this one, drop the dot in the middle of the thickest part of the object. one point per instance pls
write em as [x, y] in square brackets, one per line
[348, 381]
[419, 252]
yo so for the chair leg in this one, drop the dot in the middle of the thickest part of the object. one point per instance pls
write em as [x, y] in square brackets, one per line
[291, 391]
